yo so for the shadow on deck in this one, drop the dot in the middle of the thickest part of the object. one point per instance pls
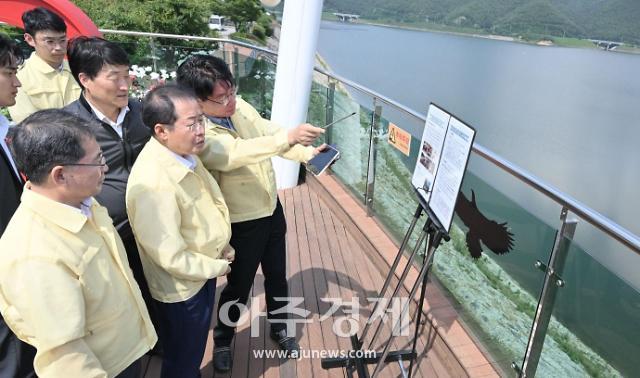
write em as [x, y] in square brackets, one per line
[335, 251]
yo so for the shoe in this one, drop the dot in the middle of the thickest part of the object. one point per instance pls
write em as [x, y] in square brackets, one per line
[286, 343]
[222, 359]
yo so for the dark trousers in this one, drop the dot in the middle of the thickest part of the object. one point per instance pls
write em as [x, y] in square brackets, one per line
[133, 371]
[257, 242]
[184, 327]
[16, 357]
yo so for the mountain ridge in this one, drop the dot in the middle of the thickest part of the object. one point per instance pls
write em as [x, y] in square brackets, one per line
[614, 20]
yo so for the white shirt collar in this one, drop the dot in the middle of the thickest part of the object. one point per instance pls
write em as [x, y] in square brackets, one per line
[4, 129]
[117, 125]
[85, 207]
[189, 161]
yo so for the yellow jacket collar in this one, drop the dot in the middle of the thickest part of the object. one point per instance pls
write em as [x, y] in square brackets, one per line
[44, 67]
[176, 170]
[55, 212]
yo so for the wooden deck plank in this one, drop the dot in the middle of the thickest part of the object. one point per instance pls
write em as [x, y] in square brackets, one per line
[333, 263]
[362, 285]
[371, 281]
[301, 367]
[319, 257]
[308, 285]
[256, 365]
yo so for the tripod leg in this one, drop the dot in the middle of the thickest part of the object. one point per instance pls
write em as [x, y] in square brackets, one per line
[405, 272]
[387, 281]
[416, 333]
[422, 276]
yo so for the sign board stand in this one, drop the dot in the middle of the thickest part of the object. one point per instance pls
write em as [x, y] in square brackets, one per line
[437, 200]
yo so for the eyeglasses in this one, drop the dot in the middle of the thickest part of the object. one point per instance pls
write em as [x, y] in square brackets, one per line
[53, 42]
[224, 101]
[200, 121]
[103, 162]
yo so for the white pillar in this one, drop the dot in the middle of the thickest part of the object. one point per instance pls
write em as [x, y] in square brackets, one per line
[296, 59]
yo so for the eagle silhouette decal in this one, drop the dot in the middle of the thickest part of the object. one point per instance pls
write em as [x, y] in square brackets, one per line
[495, 236]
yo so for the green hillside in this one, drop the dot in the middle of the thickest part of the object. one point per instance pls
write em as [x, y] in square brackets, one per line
[615, 20]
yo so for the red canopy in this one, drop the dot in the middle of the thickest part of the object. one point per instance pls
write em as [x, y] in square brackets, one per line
[78, 23]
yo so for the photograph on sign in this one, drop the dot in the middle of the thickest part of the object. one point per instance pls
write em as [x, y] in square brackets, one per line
[430, 151]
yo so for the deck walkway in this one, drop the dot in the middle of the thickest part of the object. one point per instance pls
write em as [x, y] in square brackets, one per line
[325, 261]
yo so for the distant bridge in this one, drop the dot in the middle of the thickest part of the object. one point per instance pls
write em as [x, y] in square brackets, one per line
[344, 17]
[606, 45]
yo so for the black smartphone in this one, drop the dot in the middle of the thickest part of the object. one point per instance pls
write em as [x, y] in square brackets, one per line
[319, 163]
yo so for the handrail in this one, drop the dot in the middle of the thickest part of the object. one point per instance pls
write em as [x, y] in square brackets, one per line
[192, 37]
[600, 221]
[593, 217]
[373, 94]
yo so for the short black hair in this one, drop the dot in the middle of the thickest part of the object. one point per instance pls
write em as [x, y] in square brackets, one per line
[89, 54]
[48, 138]
[158, 105]
[202, 72]
[42, 19]
[10, 53]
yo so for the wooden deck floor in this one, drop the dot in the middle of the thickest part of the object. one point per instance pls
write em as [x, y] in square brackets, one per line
[324, 261]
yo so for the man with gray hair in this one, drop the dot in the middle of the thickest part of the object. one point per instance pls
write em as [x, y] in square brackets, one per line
[181, 225]
[69, 291]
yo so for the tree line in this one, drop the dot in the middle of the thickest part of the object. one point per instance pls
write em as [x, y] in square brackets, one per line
[615, 20]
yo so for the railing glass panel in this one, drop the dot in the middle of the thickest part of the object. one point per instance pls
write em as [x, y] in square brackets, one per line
[329, 102]
[497, 292]
[255, 82]
[351, 137]
[596, 312]
[394, 201]
[320, 111]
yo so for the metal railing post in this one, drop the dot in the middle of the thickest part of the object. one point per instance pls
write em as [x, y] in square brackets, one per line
[373, 152]
[552, 282]
[154, 58]
[329, 109]
[236, 63]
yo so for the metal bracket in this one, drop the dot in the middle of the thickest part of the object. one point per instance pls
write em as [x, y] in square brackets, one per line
[559, 282]
[515, 367]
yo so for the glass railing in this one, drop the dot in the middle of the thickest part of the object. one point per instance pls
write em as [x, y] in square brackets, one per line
[577, 317]
[596, 307]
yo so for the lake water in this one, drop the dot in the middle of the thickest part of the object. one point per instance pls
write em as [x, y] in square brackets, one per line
[569, 116]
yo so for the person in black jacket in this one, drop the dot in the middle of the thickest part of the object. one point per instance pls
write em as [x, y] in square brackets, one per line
[101, 68]
[16, 357]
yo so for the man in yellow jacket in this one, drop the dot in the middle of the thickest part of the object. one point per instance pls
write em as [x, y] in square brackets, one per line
[16, 357]
[237, 151]
[65, 283]
[46, 78]
[181, 224]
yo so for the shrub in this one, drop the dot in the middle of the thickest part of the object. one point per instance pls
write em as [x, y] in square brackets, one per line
[259, 32]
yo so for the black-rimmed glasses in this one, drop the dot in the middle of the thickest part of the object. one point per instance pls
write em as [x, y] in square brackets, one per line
[224, 101]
